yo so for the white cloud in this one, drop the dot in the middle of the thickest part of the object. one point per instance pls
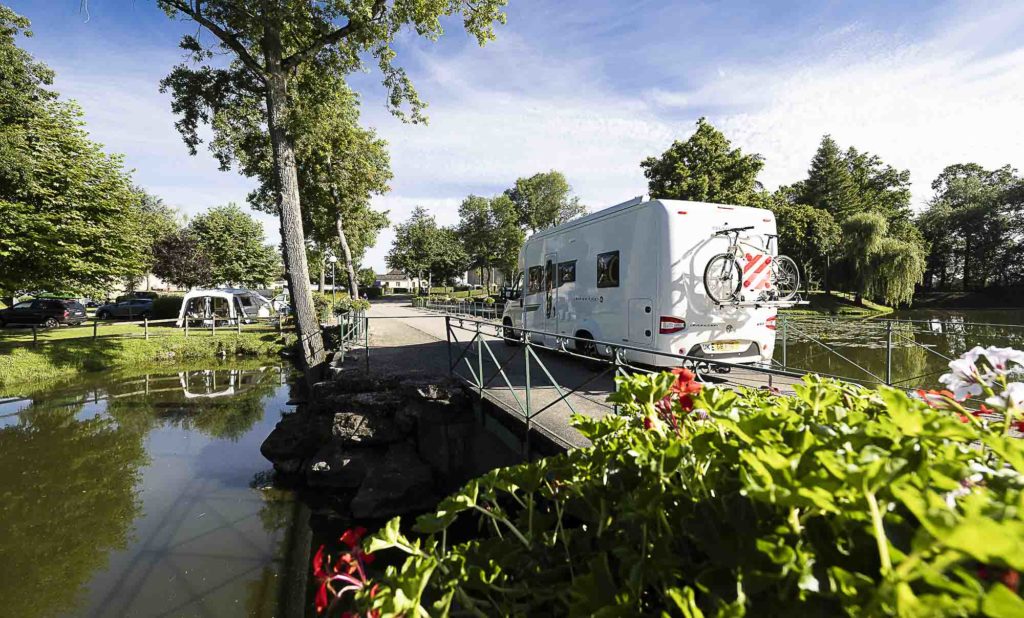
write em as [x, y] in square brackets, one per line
[919, 106]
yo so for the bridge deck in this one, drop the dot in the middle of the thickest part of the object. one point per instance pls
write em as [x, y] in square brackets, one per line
[414, 341]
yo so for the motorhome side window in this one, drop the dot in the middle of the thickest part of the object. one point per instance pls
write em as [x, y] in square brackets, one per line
[549, 275]
[608, 269]
[534, 282]
[566, 272]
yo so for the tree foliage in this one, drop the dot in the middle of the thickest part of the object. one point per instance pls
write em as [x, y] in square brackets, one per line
[975, 224]
[809, 235]
[180, 259]
[544, 200]
[490, 232]
[268, 44]
[422, 248]
[234, 243]
[704, 168]
[69, 218]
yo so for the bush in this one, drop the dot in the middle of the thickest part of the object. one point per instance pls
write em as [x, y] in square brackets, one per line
[322, 305]
[837, 501]
[167, 306]
[373, 293]
[346, 305]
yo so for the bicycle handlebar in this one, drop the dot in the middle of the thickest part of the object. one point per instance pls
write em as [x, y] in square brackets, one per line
[733, 229]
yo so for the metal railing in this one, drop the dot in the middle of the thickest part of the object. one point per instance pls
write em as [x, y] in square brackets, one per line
[146, 328]
[886, 336]
[466, 307]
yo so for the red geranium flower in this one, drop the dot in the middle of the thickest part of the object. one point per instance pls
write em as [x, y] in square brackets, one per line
[348, 572]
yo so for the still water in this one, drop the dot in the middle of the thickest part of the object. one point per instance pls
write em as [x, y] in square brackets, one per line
[147, 496]
[918, 343]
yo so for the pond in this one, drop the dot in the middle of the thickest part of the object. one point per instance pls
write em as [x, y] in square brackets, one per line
[147, 495]
[922, 342]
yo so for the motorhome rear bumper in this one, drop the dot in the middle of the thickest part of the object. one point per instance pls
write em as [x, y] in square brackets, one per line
[751, 354]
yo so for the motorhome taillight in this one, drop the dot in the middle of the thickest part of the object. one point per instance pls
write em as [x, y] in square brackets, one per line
[770, 323]
[670, 324]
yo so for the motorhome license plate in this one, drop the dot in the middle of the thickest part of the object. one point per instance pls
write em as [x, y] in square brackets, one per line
[722, 346]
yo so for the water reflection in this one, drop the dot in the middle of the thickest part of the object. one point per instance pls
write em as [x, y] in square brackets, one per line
[136, 496]
[917, 344]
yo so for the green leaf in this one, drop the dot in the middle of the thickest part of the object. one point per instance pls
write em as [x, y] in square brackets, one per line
[1001, 602]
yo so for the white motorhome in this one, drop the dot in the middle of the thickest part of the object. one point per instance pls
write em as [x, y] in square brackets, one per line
[633, 274]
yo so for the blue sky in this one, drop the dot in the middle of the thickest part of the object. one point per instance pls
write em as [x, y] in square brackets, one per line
[591, 87]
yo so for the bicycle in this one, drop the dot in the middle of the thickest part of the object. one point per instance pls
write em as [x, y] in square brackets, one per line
[725, 274]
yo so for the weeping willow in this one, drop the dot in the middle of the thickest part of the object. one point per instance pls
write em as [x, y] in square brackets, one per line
[897, 266]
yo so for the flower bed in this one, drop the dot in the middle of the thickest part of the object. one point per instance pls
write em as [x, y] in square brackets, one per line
[699, 501]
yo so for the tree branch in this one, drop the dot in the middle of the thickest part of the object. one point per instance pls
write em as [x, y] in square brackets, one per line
[228, 38]
[331, 38]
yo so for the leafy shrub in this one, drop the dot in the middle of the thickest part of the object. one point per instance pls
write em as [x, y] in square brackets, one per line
[167, 306]
[372, 293]
[346, 305]
[697, 501]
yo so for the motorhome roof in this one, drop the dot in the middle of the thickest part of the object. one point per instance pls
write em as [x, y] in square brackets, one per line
[636, 201]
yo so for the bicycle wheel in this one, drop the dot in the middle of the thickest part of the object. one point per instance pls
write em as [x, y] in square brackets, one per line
[787, 277]
[722, 278]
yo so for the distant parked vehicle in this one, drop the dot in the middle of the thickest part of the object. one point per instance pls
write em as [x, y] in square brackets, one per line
[49, 312]
[131, 308]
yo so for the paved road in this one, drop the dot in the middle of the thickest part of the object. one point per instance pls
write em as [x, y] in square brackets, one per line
[414, 341]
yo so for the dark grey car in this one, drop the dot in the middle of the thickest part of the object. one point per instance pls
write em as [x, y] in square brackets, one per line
[133, 308]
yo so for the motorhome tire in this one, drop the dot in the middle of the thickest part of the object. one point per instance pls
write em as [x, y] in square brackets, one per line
[585, 345]
[509, 334]
[723, 277]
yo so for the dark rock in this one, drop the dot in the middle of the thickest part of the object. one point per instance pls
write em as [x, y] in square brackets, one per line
[339, 467]
[402, 484]
[353, 428]
[290, 439]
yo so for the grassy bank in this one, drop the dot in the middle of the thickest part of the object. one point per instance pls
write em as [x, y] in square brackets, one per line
[26, 366]
[837, 303]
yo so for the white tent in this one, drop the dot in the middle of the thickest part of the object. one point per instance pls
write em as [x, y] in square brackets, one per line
[225, 305]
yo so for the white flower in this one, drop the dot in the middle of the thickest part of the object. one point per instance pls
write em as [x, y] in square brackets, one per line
[1012, 397]
[1001, 358]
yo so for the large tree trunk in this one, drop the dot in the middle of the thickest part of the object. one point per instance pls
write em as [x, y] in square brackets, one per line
[285, 171]
[323, 278]
[353, 287]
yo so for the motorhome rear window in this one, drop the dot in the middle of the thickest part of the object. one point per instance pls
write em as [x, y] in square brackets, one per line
[566, 272]
[534, 282]
[608, 269]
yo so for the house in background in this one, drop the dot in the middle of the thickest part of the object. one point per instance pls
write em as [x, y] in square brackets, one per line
[396, 280]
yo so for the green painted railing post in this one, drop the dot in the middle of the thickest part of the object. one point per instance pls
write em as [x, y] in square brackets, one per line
[145, 327]
[35, 335]
[448, 334]
[95, 328]
[784, 342]
[615, 374]
[526, 352]
[366, 341]
[888, 353]
[480, 360]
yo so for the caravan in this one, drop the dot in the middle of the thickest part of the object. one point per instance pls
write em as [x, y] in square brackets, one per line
[633, 274]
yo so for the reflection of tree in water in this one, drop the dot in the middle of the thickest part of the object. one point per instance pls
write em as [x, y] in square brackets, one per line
[68, 499]
[280, 513]
[222, 403]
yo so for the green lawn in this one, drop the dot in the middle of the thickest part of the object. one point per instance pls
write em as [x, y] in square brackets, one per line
[837, 303]
[25, 367]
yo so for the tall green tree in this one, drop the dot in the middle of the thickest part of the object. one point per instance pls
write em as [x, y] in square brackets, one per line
[704, 168]
[234, 243]
[879, 187]
[268, 43]
[490, 233]
[68, 213]
[181, 259]
[809, 235]
[157, 221]
[829, 184]
[413, 249]
[863, 234]
[544, 200]
[975, 224]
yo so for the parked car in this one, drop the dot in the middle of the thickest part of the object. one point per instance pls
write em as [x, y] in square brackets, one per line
[132, 308]
[49, 312]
